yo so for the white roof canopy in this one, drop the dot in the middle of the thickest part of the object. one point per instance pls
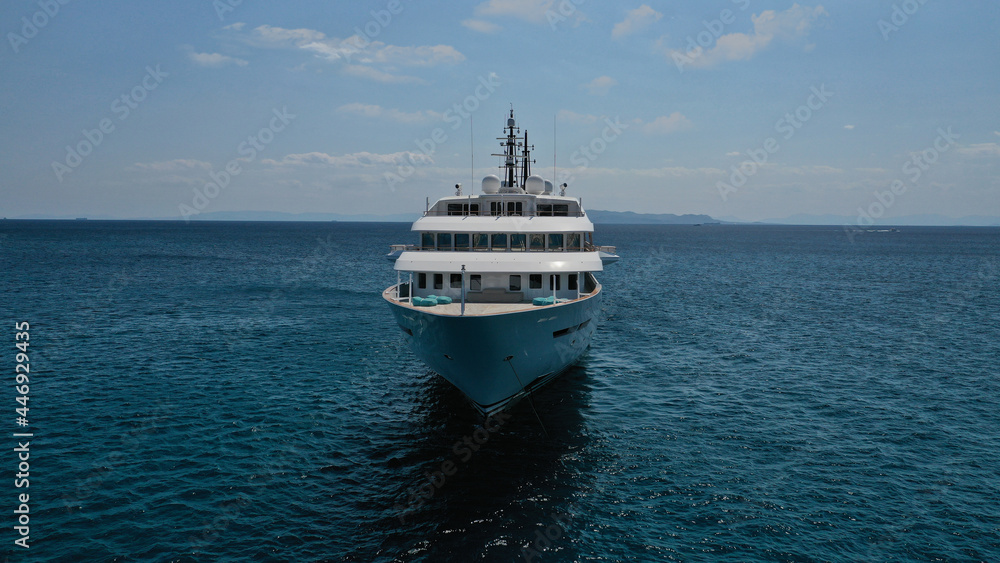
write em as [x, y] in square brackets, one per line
[503, 262]
[508, 224]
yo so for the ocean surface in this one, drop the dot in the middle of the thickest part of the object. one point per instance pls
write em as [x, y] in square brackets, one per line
[240, 392]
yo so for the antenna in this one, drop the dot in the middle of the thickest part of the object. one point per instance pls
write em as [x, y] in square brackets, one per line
[472, 158]
[554, 147]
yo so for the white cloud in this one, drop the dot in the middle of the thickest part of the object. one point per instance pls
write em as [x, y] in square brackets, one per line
[174, 165]
[374, 60]
[600, 85]
[636, 20]
[793, 23]
[379, 76]
[667, 124]
[981, 149]
[997, 133]
[353, 160]
[734, 153]
[573, 117]
[215, 59]
[848, 127]
[482, 26]
[528, 10]
[375, 111]
[238, 26]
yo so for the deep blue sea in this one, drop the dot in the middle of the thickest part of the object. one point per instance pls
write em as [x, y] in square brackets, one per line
[240, 392]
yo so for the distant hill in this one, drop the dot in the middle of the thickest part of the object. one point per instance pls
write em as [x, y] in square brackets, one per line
[633, 218]
[279, 216]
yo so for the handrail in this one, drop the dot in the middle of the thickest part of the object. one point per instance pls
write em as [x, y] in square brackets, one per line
[436, 213]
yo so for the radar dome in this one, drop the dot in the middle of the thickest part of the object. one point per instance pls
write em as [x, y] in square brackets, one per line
[548, 187]
[534, 184]
[491, 184]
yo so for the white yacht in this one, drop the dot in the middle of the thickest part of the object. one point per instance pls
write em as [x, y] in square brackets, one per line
[499, 295]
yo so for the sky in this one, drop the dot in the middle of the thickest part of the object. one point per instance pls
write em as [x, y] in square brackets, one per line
[740, 109]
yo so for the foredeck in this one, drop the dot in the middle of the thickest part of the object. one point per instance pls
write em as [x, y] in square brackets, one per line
[478, 309]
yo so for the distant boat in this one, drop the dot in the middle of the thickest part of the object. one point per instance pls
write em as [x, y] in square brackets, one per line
[500, 295]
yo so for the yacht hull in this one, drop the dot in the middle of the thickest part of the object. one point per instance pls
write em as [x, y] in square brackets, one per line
[496, 359]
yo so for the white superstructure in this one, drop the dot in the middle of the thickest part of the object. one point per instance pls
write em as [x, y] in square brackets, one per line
[498, 293]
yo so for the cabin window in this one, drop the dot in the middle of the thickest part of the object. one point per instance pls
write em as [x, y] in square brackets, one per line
[461, 241]
[475, 282]
[474, 209]
[535, 281]
[571, 282]
[427, 241]
[573, 241]
[515, 208]
[536, 241]
[518, 242]
[500, 241]
[444, 241]
[457, 208]
[456, 281]
[555, 241]
[422, 281]
[438, 281]
[481, 241]
[560, 210]
[515, 282]
[544, 209]
[554, 282]
[496, 208]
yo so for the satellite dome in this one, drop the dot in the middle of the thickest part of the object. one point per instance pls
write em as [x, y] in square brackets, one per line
[534, 184]
[548, 187]
[491, 184]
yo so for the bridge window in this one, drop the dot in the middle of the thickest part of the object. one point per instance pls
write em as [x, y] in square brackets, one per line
[515, 208]
[536, 241]
[500, 241]
[560, 210]
[555, 241]
[461, 241]
[496, 208]
[573, 241]
[427, 241]
[481, 241]
[444, 241]
[544, 209]
[518, 242]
